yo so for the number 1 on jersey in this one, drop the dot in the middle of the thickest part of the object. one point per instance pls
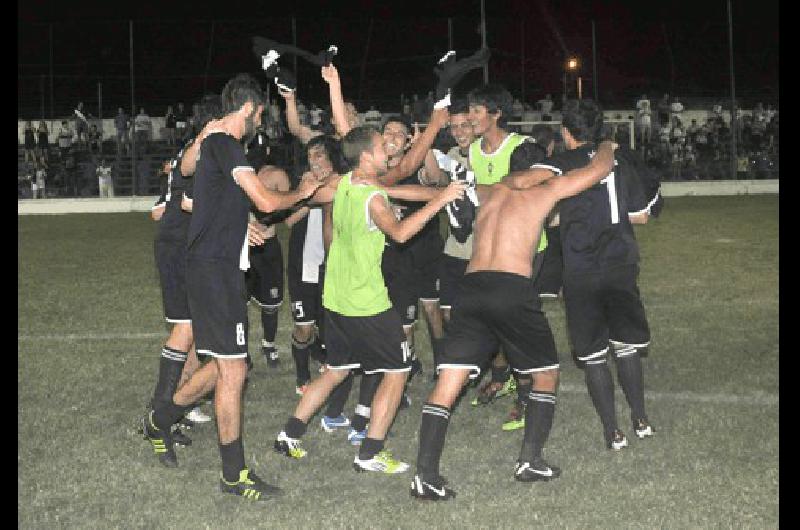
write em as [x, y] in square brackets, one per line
[611, 186]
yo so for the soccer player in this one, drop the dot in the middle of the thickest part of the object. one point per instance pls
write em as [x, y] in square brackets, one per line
[601, 267]
[216, 259]
[361, 328]
[496, 152]
[497, 305]
[265, 275]
[178, 357]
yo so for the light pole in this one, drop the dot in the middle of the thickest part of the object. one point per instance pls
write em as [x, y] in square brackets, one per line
[572, 65]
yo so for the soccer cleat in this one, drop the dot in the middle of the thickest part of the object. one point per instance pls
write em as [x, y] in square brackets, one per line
[492, 391]
[249, 486]
[643, 429]
[331, 424]
[617, 441]
[535, 470]
[405, 401]
[434, 489]
[179, 438]
[160, 440]
[383, 462]
[289, 446]
[198, 416]
[249, 362]
[516, 418]
[271, 355]
[301, 389]
[416, 368]
[356, 437]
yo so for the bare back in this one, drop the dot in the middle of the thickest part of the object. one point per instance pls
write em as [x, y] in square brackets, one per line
[508, 228]
[274, 178]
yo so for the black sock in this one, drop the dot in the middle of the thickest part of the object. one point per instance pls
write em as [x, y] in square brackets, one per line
[170, 367]
[538, 422]
[269, 323]
[369, 448]
[366, 391]
[524, 383]
[500, 373]
[165, 414]
[300, 355]
[432, 431]
[294, 427]
[232, 459]
[601, 390]
[631, 379]
[338, 397]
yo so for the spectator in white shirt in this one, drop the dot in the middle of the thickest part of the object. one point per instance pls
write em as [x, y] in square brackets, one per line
[105, 183]
[81, 123]
[676, 109]
[142, 127]
[546, 107]
[643, 114]
[373, 117]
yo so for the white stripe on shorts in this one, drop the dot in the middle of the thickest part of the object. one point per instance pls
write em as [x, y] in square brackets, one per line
[542, 369]
[223, 355]
[593, 355]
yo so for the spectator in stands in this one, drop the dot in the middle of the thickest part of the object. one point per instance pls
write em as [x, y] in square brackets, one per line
[528, 116]
[43, 144]
[122, 123]
[677, 160]
[742, 165]
[664, 137]
[643, 118]
[676, 109]
[691, 132]
[65, 136]
[316, 115]
[517, 108]
[95, 139]
[677, 136]
[81, 123]
[664, 109]
[41, 177]
[373, 117]
[105, 181]
[716, 112]
[701, 141]
[29, 142]
[772, 134]
[690, 163]
[407, 114]
[142, 126]
[759, 127]
[170, 127]
[546, 107]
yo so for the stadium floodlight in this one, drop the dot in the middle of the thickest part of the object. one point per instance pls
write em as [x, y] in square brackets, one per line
[573, 64]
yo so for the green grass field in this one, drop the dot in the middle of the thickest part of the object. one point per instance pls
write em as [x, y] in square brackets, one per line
[90, 331]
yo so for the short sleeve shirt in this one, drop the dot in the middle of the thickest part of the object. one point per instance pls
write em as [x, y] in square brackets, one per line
[218, 225]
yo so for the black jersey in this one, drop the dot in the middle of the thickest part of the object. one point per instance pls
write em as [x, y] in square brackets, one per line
[297, 233]
[596, 233]
[642, 184]
[174, 224]
[218, 225]
[526, 155]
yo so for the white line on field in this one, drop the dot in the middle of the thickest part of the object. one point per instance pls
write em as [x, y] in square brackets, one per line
[692, 397]
[94, 336]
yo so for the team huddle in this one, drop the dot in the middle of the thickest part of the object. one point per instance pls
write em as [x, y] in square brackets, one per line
[365, 247]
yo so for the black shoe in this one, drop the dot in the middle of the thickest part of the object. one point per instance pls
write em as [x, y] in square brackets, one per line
[161, 441]
[535, 470]
[179, 438]
[431, 489]
[271, 355]
[249, 486]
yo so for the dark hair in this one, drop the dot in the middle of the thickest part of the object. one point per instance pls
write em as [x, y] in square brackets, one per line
[333, 149]
[357, 141]
[543, 134]
[209, 107]
[459, 106]
[583, 119]
[495, 98]
[240, 90]
[397, 118]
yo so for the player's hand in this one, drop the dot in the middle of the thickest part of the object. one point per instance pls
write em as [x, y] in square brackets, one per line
[256, 233]
[414, 137]
[614, 145]
[454, 190]
[208, 129]
[331, 75]
[288, 95]
[309, 184]
[440, 118]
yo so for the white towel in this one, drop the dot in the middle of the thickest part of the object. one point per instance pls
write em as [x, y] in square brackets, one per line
[313, 247]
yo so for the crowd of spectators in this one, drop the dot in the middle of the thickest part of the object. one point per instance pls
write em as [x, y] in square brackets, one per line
[698, 150]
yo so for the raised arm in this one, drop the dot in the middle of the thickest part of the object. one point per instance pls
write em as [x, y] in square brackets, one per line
[401, 231]
[303, 133]
[412, 192]
[414, 157]
[431, 174]
[339, 114]
[577, 180]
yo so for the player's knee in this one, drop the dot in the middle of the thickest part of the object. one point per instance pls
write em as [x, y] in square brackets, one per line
[302, 335]
[231, 370]
[546, 380]
[181, 337]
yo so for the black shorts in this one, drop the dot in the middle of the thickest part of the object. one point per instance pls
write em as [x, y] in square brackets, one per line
[306, 297]
[493, 309]
[451, 272]
[604, 307]
[218, 302]
[412, 274]
[171, 263]
[374, 344]
[265, 275]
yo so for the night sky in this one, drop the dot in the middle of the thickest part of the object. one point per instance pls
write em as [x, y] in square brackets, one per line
[680, 47]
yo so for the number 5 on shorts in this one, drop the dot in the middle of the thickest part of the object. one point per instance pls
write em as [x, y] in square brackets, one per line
[240, 339]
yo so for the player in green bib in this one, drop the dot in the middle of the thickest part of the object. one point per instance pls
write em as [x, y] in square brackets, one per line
[362, 330]
[492, 156]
